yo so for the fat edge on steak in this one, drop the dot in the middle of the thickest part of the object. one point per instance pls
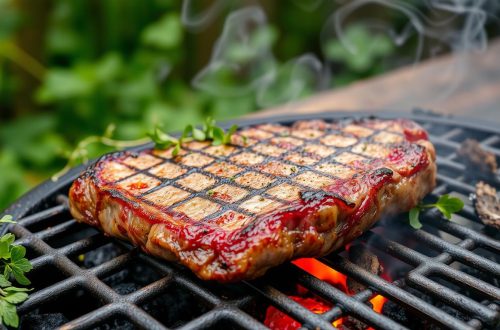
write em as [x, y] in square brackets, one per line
[231, 212]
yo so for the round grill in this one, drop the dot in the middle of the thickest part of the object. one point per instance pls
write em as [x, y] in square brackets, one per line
[445, 275]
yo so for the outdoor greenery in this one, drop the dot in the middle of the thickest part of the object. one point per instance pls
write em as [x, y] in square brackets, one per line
[69, 69]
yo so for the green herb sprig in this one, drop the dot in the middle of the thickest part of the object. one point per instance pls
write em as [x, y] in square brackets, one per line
[13, 264]
[208, 132]
[445, 204]
[80, 153]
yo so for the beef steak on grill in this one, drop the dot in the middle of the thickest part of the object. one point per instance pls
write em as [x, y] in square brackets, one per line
[232, 212]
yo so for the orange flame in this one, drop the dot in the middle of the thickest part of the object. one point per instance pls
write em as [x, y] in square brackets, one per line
[323, 272]
[275, 319]
[339, 280]
[378, 303]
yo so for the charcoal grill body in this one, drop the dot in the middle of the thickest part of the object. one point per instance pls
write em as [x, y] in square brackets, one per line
[449, 270]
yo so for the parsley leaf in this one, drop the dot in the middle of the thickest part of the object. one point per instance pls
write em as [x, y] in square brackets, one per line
[161, 139]
[15, 297]
[4, 282]
[5, 245]
[208, 131]
[414, 221]
[12, 264]
[8, 313]
[176, 149]
[445, 204]
[218, 136]
[448, 205]
[198, 134]
[19, 264]
[230, 132]
[7, 219]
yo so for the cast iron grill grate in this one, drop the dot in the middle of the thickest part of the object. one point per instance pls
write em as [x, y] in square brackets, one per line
[447, 274]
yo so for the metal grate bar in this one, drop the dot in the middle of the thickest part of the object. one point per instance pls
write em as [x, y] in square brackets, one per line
[43, 215]
[463, 232]
[457, 252]
[291, 307]
[58, 229]
[432, 266]
[113, 265]
[350, 304]
[150, 291]
[461, 302]
[393, 292]
[93, 319]
[50, 293]
[224, 313]
[139, 317]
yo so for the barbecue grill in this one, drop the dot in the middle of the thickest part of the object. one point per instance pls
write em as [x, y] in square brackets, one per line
[445, 275]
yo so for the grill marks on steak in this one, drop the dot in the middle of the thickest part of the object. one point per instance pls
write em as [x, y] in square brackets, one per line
[231, 212]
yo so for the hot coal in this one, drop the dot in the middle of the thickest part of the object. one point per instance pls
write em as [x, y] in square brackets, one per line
[101, 255]
[175, 307]
[116, 323]
[135, 276]
[45, 321]
[126, 287]
[365, 259]
[62, 308]
[412, 319]
[350, 323]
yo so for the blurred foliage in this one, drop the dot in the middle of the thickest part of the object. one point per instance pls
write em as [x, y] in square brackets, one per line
[134, 64]
[362, 56]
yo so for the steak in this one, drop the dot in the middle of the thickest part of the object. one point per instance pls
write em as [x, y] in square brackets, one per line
[278, 192]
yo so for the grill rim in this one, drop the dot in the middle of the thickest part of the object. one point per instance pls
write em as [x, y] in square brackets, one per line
[29, 201]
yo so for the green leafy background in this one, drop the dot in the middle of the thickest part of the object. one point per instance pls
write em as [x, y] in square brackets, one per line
[70, 68]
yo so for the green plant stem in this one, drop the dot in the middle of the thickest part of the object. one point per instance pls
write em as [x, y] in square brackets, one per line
[17, 55]
[80, 151]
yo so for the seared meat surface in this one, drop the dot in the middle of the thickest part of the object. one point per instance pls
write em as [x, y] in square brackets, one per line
[283, 192]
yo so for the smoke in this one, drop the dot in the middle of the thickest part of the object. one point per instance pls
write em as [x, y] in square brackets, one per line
[197, 21]
[308, 5]
[242, 58]
[243, 62]
[300, 75]
[336, 24]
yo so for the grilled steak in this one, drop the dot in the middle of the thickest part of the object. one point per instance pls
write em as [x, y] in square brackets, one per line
[277, 193]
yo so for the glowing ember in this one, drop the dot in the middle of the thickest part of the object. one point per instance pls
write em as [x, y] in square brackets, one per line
[323, 272]
[276, 319]
[378, 303]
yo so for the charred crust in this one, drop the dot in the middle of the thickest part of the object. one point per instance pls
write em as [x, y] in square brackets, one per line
[320, 196]
[383, 171]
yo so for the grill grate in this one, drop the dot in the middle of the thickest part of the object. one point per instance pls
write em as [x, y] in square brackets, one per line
[448, 271]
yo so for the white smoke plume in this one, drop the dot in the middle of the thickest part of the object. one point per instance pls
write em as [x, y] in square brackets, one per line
[248, 64]
[243, 55]
[196, 21]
